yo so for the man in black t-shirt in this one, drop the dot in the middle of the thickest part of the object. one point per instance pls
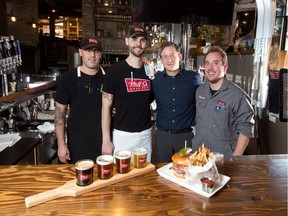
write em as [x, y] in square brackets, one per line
[127, 88]
[81, 91]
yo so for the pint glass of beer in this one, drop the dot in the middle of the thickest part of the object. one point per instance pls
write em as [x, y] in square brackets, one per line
[84, 172]
[139, 157]
[105, 165]
[123, 160]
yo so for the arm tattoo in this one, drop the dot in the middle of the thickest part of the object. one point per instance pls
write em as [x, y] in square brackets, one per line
[109, 97]
[59, 116]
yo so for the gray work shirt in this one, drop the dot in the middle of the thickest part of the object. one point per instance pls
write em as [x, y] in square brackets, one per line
[221, 117]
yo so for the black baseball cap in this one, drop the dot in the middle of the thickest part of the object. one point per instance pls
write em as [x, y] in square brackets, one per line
[91, 42]
[137, 30]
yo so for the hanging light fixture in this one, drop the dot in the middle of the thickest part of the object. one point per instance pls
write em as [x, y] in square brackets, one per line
[33, 23]
[12, 16]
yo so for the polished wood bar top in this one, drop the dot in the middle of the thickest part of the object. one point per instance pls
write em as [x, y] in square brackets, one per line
[256, 187]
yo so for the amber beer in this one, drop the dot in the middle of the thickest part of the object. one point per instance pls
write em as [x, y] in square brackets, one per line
[105, 165]
[139, 157]
[84, 172]
[123, 160]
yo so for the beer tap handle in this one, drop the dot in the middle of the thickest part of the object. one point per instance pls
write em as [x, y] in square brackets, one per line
[18, 51]
[13, 52]
[1, 60]
[8, 48]
[2, 57]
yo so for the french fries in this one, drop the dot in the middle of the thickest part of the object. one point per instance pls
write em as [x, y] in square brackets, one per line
[201, 157]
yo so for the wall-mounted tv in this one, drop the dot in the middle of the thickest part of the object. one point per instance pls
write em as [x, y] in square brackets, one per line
[210, 12]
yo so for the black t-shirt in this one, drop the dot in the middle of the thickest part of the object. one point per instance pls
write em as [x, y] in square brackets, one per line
[84, 97]
[132, 92]
[82, 94]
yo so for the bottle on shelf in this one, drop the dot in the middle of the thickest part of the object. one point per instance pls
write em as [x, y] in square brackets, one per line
[34, 114]
[103, 60]
[11, 123]
[51, 103]
[108, 59]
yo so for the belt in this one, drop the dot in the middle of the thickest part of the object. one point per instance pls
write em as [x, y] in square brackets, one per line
[186, 130]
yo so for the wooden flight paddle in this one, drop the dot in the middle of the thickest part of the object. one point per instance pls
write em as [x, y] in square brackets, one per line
[72, 189]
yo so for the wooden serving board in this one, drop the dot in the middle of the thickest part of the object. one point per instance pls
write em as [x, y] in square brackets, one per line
[72, 189]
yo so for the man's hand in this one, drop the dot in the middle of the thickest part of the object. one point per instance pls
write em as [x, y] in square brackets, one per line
[63, 154]
[107, 148]
[113, 113]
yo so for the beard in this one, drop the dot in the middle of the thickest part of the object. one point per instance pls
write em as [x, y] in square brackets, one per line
[137, 54]
[215, 79]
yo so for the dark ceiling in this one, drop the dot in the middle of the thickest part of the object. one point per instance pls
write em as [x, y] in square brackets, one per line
[63, 7]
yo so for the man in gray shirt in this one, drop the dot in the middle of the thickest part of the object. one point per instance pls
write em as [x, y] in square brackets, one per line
[224, 115]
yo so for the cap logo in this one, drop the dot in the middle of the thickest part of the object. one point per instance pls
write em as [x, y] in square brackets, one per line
[138, 29]
[92, 40]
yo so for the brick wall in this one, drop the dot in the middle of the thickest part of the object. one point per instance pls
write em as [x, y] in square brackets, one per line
[28, 37]
[88, 22]
[3, 23]
[25, 11]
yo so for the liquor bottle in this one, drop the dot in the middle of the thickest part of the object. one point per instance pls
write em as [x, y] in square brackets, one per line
[34, 114]
[108, 61]
[103, 59]
[11, 123]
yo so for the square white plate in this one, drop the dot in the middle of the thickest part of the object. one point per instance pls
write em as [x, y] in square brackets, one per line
[195, 186]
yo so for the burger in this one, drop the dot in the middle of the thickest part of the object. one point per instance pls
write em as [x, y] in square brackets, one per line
[180, 162]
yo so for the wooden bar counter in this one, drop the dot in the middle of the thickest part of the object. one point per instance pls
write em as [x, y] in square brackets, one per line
[256, 187]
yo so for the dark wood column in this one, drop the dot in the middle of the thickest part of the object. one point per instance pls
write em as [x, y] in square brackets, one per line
[88, 17]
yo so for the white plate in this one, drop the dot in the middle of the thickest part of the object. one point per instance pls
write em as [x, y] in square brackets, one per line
[195, 186]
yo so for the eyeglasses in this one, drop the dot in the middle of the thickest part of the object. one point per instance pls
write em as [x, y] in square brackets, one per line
[215, 63]
[90, 51]
[172, 56]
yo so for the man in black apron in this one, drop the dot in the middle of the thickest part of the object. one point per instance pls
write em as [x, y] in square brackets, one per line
[79, 95]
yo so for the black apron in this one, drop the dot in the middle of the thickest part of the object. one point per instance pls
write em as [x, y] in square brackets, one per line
[84, 121]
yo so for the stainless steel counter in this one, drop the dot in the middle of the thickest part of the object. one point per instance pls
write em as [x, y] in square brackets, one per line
[33, 148]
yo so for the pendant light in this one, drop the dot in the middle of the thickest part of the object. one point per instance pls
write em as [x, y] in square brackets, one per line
[12, 16]
[33, 23]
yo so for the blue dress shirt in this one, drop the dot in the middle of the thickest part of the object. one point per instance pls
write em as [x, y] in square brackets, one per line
[175, 99]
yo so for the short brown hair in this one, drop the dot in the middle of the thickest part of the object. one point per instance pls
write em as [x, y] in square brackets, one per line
[167, 44]
[219, 50]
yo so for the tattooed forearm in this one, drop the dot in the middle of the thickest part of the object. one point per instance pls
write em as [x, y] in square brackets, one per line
[109, 97]
[59, 116]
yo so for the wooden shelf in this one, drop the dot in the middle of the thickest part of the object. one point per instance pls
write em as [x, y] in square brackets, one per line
[113, 20]
[22, 95]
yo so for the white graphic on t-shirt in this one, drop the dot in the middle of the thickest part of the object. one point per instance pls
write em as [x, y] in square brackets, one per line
[136, 85]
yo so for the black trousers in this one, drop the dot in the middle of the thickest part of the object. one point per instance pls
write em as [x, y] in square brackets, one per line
[166, 144]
